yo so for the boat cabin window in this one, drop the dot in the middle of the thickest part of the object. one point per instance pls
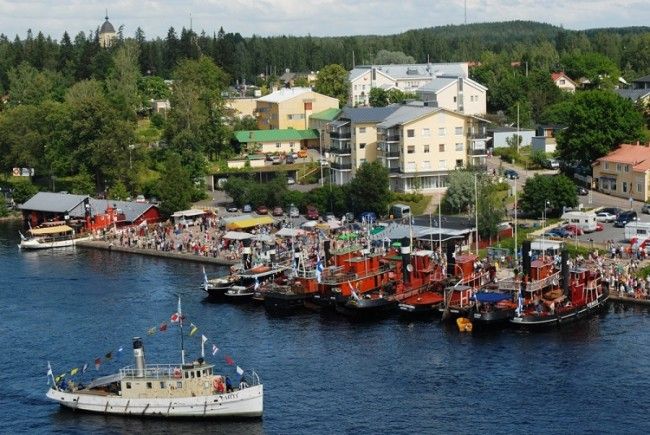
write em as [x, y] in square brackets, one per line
[192, 375]
[128, 385]
[179, 384]
[162, 385]
[187, 375]
[198, 374]
[149, 385]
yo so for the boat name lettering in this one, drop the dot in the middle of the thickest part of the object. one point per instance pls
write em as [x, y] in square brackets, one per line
[230, 396]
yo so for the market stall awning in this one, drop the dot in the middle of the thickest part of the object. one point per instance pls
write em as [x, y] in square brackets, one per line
[188, 213]
[290, 232]
[250, 223]
[237, 235]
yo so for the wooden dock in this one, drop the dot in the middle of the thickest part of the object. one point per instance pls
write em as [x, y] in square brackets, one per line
[184, 256]
[627, 300]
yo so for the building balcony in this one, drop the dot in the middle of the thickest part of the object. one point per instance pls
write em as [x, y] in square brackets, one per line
[340, 150]
[390, 138]
[394, 169]
[341, 166]
[340, 134]
[477, 152]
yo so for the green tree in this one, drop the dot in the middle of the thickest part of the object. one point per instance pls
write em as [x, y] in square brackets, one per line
[386, 57]
[332, 80]
[237, 188]
[378, 97]
[598, 68]
[122, 81]
[490, 209]
[4, 211]
[118, 191]
[369, 189]
[174, 187]
[460, 191]
[597, 122]
[83, 183]
[24, 190]
[556, 191]
[30, 86]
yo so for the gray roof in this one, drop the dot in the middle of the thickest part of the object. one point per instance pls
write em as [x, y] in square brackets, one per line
[644, 79]
[132, 210]
[441, 82]
[405, 114]
[107, 27]
[417, 70]
[505, 129]
[51, 202]
[633, 94]
[362, 115]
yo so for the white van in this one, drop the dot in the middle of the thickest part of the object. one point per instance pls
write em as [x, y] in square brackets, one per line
[583, 219]
[637, 230]
[400, 211]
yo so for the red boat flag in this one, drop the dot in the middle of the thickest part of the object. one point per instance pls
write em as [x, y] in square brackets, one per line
[175, 318]
[229, 361]
[98, 362]
[163, 327]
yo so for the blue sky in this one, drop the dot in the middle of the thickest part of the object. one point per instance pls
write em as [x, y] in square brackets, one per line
[302, 17]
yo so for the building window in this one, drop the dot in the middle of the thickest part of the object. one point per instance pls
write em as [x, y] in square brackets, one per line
[562, 81]
[410, 166]
[624, 186]
[442, 164]
[128, 385]
[426, 164]
[618, 167]
[441, 131]
[179, 385]
[162, 385]
[459, 163]
[606, 165]
[410, 149]
[459, 146]
[308, 105]
[149, 385]
[362, 145]
[362, 130]
[441, 147]
[291, 144]
[459, 131]
[278, 144]
[410, 132]
[627, 168]
[455, 98]
[639, 187]
[426, 132]
[426, 149]
[612, 185]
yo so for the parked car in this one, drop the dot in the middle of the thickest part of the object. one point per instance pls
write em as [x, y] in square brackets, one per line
[612, 210]
[329, 216]
[625, 218]
[247, 208]
[645, 209]
[262, 209]
[603, 216]
[269, 157]
[290, 181]
[302, 154]
[552, 164]
[599, 227]
[140, 199]
[232, 208]
[324, 161]
[573, 230]
[277, 211]
[289, 159]
[312, 212]
[557, 232]
[349, 216]
[581, 191]
[511, 174]
[276, 160]
[293, 211]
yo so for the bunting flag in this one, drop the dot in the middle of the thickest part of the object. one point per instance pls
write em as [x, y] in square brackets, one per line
[49, 372]
[109, 355]
[74, 371]
[120, 349]
[203, 339]
[58, 378]
[98, 363]
[229, 360]
[163, 327]
[193, 329]
[215, 349]
[175, 318]
[85, 367]
[151, 331]
[240, 371]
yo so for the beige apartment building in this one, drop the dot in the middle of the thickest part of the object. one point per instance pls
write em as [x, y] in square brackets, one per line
[291, 108]
[625, 172]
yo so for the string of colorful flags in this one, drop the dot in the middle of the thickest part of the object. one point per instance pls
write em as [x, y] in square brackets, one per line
[175, 319]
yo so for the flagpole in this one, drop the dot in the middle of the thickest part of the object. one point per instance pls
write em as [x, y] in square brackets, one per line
[180, 319]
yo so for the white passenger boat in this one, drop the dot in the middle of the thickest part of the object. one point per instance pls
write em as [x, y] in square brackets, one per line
[47, 237]
[164, 390]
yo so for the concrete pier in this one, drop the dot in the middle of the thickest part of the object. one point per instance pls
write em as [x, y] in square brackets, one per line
[107, 246]
[628, 300]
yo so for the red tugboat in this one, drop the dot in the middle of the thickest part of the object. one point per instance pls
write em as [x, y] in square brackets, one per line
[426, 301]
[543, 304]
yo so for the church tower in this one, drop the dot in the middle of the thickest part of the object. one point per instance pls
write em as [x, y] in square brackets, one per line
[106, 33]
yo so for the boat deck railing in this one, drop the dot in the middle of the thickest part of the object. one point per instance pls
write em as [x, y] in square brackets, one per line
[155, 371]
[532, 286]
[337, 275]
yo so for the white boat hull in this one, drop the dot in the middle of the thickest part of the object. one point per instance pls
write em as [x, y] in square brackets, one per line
[240, 403]
[39, 244]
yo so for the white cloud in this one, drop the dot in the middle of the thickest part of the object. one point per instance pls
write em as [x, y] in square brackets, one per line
[302, 17]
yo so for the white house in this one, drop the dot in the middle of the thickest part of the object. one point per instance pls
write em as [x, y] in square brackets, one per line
[459, 94]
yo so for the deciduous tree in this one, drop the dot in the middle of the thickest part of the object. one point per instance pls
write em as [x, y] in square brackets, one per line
[332, 80]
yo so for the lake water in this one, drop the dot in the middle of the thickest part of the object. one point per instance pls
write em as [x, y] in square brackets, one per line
[321, 374]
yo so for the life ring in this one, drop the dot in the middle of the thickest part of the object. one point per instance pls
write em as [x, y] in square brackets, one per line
[177, 373]
[218, 385]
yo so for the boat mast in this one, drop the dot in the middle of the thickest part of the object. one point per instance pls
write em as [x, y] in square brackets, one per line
[180, 320]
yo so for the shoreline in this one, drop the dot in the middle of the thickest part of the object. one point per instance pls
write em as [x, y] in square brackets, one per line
[11, 217]
[106, 246]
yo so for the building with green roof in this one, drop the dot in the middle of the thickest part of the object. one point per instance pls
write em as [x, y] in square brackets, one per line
[276, 141]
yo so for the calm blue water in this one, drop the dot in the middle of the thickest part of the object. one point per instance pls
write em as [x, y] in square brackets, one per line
[321, 374]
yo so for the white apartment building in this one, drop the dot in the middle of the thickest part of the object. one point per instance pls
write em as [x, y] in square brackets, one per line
[407, 78]
[459, 94]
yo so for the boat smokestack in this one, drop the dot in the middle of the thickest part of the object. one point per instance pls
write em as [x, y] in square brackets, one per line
[405, 250]
[564, 262]
[138, 354]
[247, 258]
[525, 257]
[451, 261]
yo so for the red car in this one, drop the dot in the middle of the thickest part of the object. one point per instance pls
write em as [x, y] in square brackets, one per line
[574, 230]
[599, 226]
[277, 211]
[312, 212]
[262, 209]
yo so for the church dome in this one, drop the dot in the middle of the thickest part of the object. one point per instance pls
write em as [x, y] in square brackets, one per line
[107, 27]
